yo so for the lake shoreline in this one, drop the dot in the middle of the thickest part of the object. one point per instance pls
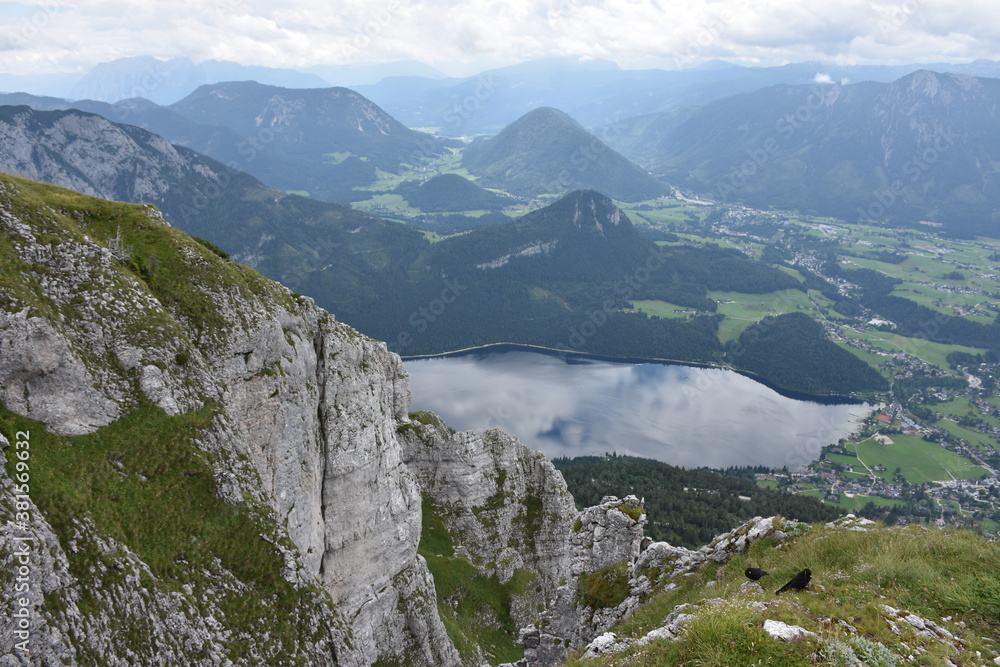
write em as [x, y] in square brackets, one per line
[576, 405]
[487, 348]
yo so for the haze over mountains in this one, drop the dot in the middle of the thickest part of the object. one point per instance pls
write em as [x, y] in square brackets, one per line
[561, 276]
[921, 147]
[323, 142]
[594, 92]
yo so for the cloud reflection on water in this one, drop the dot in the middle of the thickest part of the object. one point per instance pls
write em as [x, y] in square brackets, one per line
[678, 414]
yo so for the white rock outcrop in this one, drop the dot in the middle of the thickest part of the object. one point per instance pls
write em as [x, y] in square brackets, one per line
[306, 419]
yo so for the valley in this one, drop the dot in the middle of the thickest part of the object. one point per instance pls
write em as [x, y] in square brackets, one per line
[937, 375]
[431, 261]
[720, 304]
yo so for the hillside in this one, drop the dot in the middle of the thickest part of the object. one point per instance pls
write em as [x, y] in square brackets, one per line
[547, 152]
[919, 148]
[328, 139]
[683, 507]
[793, 351]
[877, 596]
[563, 277]
[451, 192]
[193, 453]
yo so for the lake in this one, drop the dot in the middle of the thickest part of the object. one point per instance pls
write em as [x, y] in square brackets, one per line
[683, 415]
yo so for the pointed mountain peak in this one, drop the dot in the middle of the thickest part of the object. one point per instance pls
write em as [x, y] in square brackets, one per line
[547, 152]
[545, 115]
[587, 210]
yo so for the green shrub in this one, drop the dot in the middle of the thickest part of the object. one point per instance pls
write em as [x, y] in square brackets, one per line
[634, 513]
[605, 588]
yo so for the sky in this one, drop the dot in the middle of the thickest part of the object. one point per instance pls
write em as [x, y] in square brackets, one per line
[459, 38]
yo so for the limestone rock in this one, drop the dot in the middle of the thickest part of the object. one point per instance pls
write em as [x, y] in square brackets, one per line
[306, 423]
[786, 632]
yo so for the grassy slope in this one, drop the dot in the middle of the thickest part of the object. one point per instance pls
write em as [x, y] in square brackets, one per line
[475, 609]
[143, 480]
[932, 573]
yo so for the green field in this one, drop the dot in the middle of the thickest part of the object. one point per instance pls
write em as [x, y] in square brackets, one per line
[663, 212]
[855, 503]
[872, 359]
[662, 309]
[920, 461]
[927, 270]
[935, 354]
[974, 438]
[742, 310]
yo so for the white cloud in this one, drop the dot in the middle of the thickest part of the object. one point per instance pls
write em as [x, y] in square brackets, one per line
[55, 35]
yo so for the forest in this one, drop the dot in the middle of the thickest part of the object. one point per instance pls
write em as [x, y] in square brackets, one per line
[685, 507]
[793, 352]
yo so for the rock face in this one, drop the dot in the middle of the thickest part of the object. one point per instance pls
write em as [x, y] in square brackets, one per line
[305, 427]
[64, 153]
[506, 504]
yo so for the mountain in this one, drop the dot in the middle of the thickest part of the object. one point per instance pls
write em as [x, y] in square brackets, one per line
[451, 192]
[222, 143]
[563, 276]
[547, 152]
[166, 81]
[358, 74]
[283, 236]
[326, 140]
[599, 93]
[919, 148]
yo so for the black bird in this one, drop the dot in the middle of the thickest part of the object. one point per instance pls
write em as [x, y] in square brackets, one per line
[797, 583]
[754, 573]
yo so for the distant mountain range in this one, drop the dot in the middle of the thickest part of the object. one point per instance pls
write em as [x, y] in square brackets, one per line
[167, 81]
[325, 141]
[322, 142]
[924, 147]
[547, 152]
[599, 93]
[596, 93]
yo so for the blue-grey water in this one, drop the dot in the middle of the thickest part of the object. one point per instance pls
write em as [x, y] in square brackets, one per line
[682, 415]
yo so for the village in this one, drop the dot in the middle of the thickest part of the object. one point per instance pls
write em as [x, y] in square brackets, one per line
[931, 453]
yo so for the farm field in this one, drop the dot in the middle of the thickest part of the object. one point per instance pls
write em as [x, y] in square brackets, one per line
[919, 461]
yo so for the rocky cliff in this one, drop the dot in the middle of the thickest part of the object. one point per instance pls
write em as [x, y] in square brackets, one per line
[205, 464]
[108, 312]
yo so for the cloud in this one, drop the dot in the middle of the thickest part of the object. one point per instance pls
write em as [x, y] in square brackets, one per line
[41, 36]
[822, 78]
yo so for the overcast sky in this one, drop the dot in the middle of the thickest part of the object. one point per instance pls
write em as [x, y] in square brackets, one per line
[44, 36]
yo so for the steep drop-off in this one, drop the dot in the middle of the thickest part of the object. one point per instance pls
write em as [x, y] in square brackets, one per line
[217, 467]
